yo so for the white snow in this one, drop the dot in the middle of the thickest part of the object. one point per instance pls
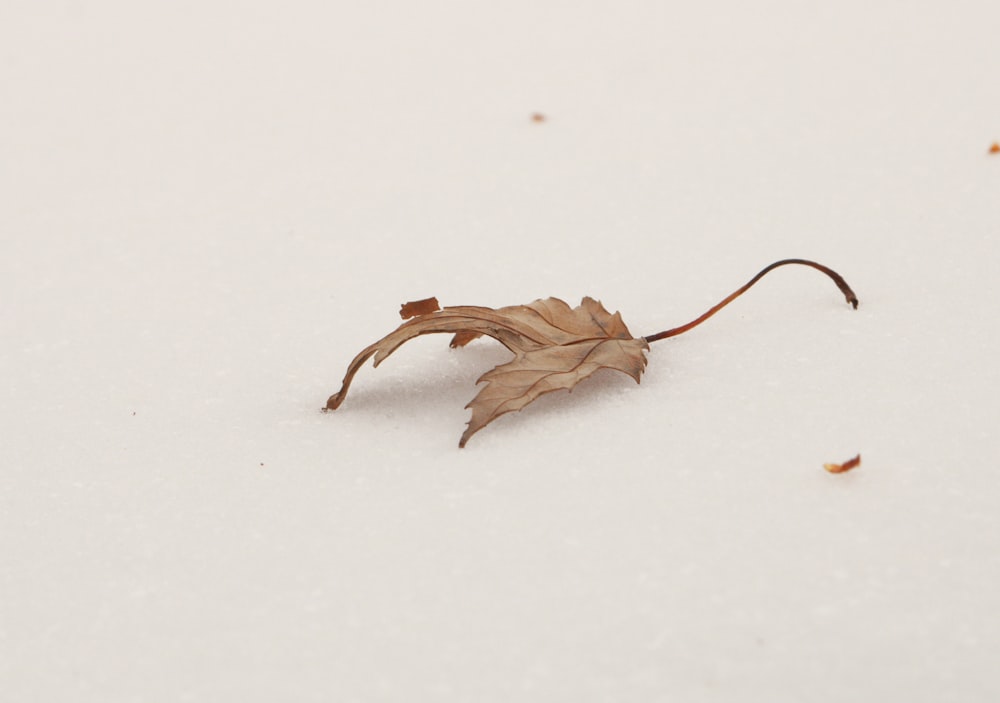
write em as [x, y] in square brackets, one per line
[208, 208]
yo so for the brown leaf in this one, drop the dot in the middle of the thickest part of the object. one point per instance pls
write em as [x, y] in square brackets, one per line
[555, 347]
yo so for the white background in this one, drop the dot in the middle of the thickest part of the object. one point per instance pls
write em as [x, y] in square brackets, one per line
[207, 208]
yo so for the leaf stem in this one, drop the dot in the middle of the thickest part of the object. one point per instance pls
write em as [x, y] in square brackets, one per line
[837, 278]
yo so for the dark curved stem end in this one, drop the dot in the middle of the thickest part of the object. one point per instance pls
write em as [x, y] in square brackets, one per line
[837, 278]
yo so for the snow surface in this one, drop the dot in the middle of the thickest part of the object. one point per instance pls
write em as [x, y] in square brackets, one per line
[208, 208]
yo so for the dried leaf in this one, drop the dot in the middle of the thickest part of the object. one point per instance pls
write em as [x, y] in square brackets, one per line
[846, 466]
[555, 347]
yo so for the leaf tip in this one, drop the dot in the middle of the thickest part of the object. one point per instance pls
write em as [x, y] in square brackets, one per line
[465, 437]
[334, 401]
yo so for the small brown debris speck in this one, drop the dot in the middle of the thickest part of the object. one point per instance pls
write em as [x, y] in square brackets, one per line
[418, 307]
[995, 148]
[846, 466]
[537, 117]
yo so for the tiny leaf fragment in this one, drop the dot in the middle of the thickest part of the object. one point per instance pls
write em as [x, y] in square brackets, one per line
[846, 466]
[418, 307]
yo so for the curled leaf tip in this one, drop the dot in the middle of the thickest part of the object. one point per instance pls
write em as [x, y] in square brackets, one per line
[418, 307]
[333, 402]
